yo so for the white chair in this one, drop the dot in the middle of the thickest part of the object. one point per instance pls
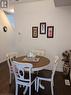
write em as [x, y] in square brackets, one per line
[23, 75]
[10, 57]
[44, 77]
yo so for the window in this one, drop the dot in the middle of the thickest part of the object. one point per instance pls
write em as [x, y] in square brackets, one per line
[11, 19]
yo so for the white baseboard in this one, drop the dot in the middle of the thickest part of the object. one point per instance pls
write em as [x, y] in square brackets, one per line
[2, 61]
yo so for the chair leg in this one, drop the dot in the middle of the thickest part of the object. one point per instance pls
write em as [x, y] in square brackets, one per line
[25, 90]
[53, 84]
[30, 90]
[37, 85]
[52, 88]
[10, 79]
[41, 86]
[16, 93]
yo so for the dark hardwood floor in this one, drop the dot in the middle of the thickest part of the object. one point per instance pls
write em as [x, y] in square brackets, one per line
[5, 89]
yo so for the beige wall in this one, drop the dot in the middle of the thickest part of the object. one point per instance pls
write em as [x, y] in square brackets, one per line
[31, 14]
[6, 38]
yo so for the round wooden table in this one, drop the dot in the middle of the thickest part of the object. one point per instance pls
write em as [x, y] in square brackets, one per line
[39, 65]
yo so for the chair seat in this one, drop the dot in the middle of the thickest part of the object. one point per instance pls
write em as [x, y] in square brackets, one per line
[45, 73]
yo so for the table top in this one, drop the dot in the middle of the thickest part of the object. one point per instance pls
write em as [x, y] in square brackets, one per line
[37, 65]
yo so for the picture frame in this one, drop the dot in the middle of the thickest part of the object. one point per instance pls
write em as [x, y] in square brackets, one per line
[50, 31]
[34, 32]
[4, 4]
[43, 28]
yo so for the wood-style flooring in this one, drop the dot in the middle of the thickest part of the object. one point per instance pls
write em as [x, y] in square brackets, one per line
[5, 89]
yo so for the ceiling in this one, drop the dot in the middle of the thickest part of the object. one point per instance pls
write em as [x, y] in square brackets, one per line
[59, 3]
[56, 2]
[21, 1]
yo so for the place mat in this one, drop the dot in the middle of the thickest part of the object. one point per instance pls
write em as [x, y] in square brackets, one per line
[31, 59]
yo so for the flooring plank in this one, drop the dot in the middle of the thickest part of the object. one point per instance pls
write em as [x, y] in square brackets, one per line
[5, 89]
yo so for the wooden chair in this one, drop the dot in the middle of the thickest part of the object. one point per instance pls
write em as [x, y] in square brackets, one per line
[23, 75]
[10, 57]
[44, 77]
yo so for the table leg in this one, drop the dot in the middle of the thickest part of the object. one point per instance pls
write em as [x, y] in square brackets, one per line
[26, 88]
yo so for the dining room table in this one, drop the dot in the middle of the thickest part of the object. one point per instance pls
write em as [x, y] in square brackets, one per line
[38, 62]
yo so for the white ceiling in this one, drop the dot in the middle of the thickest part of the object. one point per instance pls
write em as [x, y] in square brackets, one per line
[22, 1]
[57, 2]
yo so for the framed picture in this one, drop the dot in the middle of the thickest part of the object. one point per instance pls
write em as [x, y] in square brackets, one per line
[34, 32]
[50, 31]
[43, 28]
[4, 3]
